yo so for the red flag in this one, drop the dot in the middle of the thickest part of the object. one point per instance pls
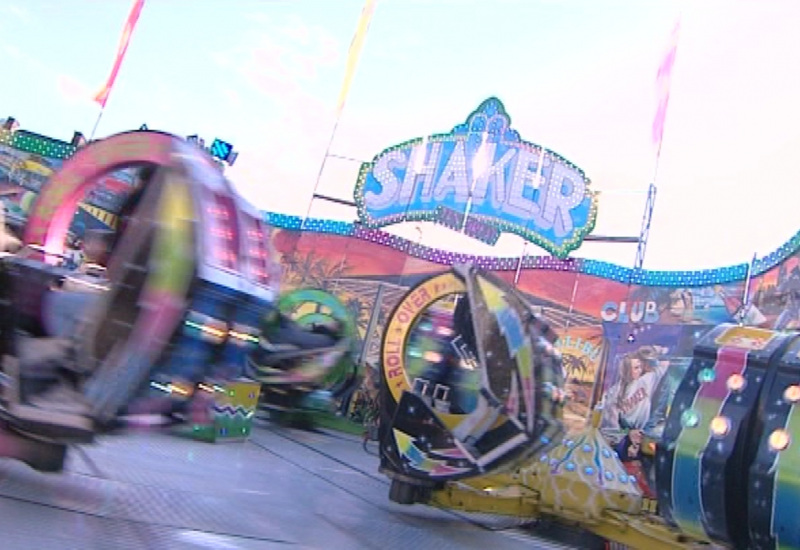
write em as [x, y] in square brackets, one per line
[102, 95]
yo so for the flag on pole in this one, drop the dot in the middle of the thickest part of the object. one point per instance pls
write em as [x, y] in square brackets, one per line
[355, 52]
[102, 96]
[663, 83]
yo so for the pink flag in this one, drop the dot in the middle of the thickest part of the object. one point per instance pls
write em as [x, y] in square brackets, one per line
[663, 81]
[130, 24]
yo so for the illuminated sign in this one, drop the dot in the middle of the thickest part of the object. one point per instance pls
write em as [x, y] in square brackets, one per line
[399, 328]
[482, 179]
[220, 150]
[749, 338]
[578, 347]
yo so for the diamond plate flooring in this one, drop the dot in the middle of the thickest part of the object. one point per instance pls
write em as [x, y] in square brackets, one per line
[282, 488]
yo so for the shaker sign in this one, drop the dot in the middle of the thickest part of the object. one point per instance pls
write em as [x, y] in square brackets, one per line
[481, 178]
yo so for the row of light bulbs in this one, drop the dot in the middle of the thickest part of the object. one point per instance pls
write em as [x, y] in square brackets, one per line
[720, 426]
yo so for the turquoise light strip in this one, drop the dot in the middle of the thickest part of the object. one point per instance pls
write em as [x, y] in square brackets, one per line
[699, 278]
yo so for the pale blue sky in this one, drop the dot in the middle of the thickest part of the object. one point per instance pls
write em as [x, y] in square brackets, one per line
[575, 76]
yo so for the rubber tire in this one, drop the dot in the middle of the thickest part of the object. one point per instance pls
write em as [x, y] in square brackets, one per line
[402, 492]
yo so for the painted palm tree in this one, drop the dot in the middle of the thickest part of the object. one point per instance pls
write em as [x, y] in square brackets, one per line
[327, 272]
[303, 273]
[359, 310]
[661, 296]
[575, 366]
[291, 262]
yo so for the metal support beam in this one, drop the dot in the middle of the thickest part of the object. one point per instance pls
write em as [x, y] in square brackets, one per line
[645, 232]
[647, 218]
[328, 198]
[610, 239]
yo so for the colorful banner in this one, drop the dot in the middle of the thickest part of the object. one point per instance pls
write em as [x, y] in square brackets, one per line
[102, 96]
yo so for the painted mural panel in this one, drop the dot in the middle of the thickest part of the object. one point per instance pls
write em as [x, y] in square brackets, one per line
[603, 324]
[22, 175]
[368, 278]
[640, 374]
[582, 350]
[776, 296]
[593, 316]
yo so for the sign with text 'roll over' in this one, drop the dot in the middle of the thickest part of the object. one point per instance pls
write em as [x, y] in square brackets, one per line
[483, 179]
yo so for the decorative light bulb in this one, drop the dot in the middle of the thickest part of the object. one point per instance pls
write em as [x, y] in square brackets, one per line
[720, 426]
[779, 440]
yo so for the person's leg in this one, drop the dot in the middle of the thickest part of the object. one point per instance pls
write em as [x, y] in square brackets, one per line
[118, 348]
[288, 333]
[65, 310]
[7, 315]
[33, 367]
[783, 319]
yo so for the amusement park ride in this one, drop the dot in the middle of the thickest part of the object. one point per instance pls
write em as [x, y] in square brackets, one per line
[472, 388]
[724, 472]
[188, 290]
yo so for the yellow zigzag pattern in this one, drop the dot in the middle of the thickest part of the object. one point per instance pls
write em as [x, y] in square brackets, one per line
[104, 216]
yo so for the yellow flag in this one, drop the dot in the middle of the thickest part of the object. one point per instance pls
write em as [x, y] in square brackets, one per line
[355, 52]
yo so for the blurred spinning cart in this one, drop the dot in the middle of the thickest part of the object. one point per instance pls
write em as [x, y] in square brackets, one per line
[188, 282]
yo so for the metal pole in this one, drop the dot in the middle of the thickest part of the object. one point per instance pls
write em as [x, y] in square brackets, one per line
[746, 293]
[321, 169]
[645, 230]
[519, 263]
[96, 124]
[644, 233]
[479, 156]
[572, 302]
[372, 324]
[539, 169]
[356, 45]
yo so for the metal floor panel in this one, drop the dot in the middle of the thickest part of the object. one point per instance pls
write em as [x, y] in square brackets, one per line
[282, 488]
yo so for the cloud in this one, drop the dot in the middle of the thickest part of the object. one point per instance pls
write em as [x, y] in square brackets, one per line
[395, 47]
[232, 96]
[70, 88]
[285, 62]
[73, 90]
[167, 98]
[283, 58]
[12, 51]
[17, 11]
[296, 67]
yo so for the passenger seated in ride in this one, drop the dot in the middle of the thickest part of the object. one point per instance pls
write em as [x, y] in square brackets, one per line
[463, 325]
[60, 411]
[629, 447]
[487, 409]
[8, 245]
[447, 389]
[278, 333]
[67, 305]
[77, 405]
[8, 242]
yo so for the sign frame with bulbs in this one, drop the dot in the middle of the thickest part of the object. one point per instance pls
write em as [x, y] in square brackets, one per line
[482, 179]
